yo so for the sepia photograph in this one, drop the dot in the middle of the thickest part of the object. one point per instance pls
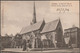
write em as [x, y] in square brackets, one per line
[40, 26]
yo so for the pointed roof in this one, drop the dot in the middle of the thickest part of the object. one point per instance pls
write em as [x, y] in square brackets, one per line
[34, 15]
[32, 27]
[50, 26]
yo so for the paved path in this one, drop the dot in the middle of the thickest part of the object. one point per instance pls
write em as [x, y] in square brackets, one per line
[18, 50]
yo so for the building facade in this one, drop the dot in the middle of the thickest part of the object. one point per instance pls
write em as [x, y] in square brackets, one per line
[46, 35]
[32, 34]
[72, 36]
[54, 34]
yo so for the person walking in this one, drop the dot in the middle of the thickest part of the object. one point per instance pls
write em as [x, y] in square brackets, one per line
[24, 45]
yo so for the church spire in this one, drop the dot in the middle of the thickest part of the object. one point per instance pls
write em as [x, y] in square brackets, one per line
[34, 15]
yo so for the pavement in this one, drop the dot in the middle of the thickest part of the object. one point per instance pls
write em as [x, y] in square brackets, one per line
[19, 50]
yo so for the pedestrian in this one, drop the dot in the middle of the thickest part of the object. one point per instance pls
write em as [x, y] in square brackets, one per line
[24, 45]
[27, 47]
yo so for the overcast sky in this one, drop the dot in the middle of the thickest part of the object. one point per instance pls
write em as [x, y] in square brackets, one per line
[18, 14]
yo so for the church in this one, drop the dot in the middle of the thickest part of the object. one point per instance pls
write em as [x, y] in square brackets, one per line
[41, 34]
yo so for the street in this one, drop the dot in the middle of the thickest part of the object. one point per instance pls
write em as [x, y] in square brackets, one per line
[18, 50]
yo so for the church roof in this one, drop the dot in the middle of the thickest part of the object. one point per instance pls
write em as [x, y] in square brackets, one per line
[32, 27]
[50, 26]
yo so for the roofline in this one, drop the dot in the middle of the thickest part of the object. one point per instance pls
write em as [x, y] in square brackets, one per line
[43, 21]
[29, 32]
[70, 28]
[48, 31]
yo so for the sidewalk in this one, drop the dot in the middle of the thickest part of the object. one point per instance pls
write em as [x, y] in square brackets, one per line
[19, 50]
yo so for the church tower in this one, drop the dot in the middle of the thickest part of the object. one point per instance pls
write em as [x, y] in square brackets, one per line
[34, 15]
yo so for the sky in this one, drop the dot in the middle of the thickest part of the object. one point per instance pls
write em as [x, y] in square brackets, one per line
[18, 14]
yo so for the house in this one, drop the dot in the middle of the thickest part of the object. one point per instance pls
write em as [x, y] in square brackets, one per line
[72, 36]
[54, 34]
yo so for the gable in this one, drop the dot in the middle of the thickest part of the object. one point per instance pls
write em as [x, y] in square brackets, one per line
[59, 26]
[51, 26]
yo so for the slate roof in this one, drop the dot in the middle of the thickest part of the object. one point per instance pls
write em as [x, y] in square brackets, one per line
[32, 27]
[50, 26]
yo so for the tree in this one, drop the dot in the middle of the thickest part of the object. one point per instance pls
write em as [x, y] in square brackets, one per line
[18, 40]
